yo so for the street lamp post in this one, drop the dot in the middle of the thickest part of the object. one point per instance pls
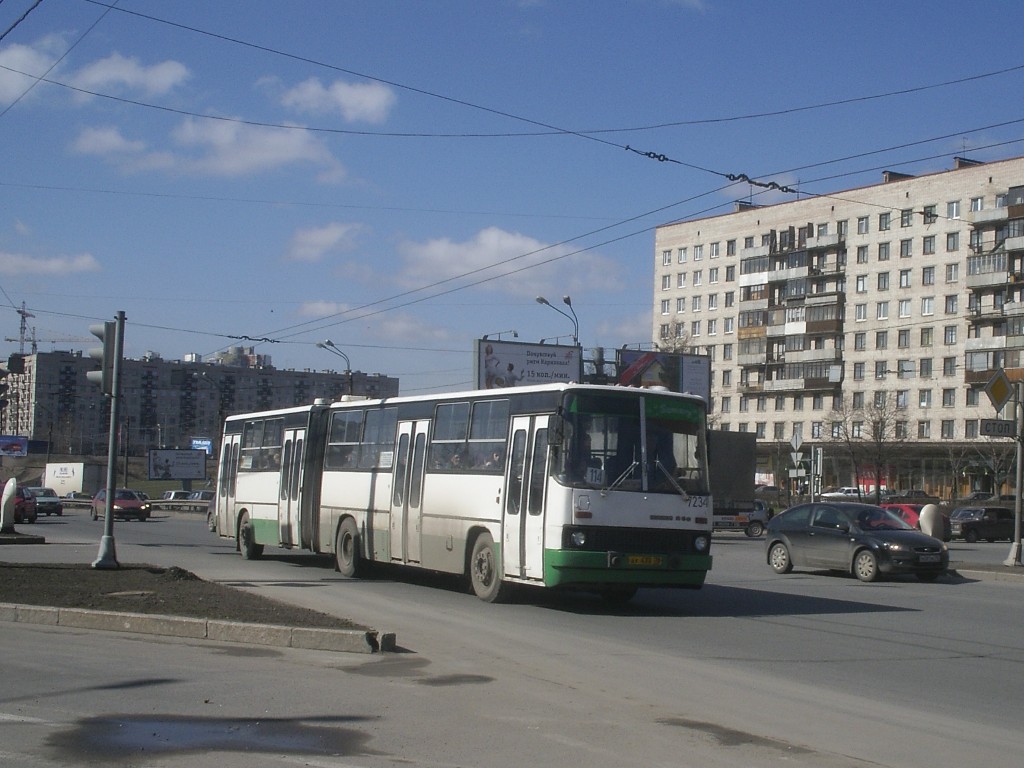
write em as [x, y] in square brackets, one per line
[331, 347]
[575, 320]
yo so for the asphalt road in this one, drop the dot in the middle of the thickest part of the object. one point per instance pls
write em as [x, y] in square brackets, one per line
[803, 670]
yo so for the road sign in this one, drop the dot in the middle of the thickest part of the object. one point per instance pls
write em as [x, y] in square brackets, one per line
[999, 390]
[796, 441]
[797, 457]
[998, 428]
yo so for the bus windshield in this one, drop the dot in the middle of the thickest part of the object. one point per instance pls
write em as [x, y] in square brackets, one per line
[634, 441]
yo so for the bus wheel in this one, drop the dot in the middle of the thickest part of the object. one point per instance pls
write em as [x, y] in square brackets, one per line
[484, 573]
[247, 540]
[346, 549]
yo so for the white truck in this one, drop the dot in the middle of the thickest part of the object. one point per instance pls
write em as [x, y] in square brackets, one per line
[74, 477]
[732, 464]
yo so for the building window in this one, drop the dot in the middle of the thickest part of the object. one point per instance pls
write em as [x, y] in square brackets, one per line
[680, 305]
[949, 366]
[973, 396]
[904, 278]
[730, 247]
[862, 283]
[862, 225]
[952, 241]
[926, 368]
[927, 305]
[906, 217]
[949, 335]
[713, 275]
[748, 242]
[927, 336]
[730, 298]
[928, 245]
[663, 331]
[862, 254]
[666, 282]
[729, 324]
[713, 327]
[858, 371]
[861, 312]
[698, 252]
[953, 209]
[714, 252]
[727, 351]
[902, 398]
[883, 281]
[858, 401]
[681, 280]
[695, 328]
[842, 227]
[971, 428]
[698, 278]
[712, 301]
[665, 306]
[948, 398]
[727, 378]
[928, 276]
[726, 404]
[779, 430]
[924, 430]
[666, 258]
[682, 255]
[816, 430]
[883, 221]
[930, 215]
[947, 429]
[952, 273]
[951, 304]
[882, 310]
[730, 274]
[880, 369]
[903, 335]
[906, 248]
[977, 203]
[695, 302]
[860, 341]
[883, 251]
[759, 429]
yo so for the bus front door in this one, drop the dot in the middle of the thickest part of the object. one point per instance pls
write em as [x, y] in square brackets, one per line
[523, 514]
[406, 489]
[289, 483]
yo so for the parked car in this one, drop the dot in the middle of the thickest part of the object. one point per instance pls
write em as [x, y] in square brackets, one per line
[24, 506]
[47, 501]
[179, 495]
[861, 539]
[989, 523]
[202, 500]
[908, 513]
[847, 493]
[126, 504]
[977, 496]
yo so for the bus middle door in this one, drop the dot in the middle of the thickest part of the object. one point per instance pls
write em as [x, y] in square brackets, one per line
[226, 484]
[406, 491]
[525, 482]
[290, 481]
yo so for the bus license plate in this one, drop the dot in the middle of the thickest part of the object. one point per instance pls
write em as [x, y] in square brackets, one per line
[647, 560]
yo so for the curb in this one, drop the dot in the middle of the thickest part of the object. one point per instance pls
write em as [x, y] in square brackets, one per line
[1005, 573]
[308, 638]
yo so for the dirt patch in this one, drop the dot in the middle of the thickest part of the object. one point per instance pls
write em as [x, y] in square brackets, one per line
[150, 589]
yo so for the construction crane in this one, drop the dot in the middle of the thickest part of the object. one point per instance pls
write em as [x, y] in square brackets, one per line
[36, 342]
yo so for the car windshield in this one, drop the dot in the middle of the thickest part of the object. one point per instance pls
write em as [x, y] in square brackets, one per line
[126, 495]
[880, 520]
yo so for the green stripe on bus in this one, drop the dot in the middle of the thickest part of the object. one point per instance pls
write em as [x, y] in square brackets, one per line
[565, 567]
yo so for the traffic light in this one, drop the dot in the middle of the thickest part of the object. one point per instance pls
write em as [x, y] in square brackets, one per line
[105, 332]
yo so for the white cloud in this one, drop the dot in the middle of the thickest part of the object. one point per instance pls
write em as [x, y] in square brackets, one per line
[234, 149]
[319, 308]
[313, 244]
[19, 264]
[33, 60]
[435, 260]
[117, 73]
[105, 142]
[359, 102]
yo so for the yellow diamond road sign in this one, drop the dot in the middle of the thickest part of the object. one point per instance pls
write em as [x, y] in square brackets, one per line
[999, 390]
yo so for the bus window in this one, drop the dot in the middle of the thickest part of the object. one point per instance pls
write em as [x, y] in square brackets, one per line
[538, 475]
[343, 441]
[517, 468]
[378, 449]
[261, 445]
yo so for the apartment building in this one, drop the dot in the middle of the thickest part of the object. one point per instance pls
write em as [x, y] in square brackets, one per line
[868, 315]
[165, 403]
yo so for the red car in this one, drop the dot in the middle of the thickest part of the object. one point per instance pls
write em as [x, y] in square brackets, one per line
[127, 504]
[909, 513]
[24, 506]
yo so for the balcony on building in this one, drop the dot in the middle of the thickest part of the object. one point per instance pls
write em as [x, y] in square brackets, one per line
[818, 242]
[988, 216]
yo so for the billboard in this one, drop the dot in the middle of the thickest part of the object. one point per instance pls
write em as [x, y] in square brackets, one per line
[12, 445]
[176, 464]
[502, 364]
[675, 371]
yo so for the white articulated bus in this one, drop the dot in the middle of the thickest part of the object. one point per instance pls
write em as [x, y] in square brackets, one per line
[561, 485]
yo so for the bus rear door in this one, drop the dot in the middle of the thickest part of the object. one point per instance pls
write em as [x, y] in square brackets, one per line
[406, 491]
[226, 483]
[523, 515]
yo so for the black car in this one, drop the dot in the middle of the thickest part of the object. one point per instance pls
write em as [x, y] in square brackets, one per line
[989, 523]
[861, 539]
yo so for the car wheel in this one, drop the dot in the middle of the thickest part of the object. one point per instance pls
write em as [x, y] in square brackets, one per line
[971, 537]
[865, 565]
[754, 529]
[211, 522]
[779, 559]
[346, 549]
[247, 540]
[485, 572]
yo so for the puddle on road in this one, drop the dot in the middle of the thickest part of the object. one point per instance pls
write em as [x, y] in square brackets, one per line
[112, 738]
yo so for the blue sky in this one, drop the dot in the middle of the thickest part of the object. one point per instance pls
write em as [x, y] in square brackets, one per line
[403, 176]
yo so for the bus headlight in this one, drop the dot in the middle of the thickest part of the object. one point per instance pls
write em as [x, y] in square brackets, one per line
[577, 538]
[701, 543]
